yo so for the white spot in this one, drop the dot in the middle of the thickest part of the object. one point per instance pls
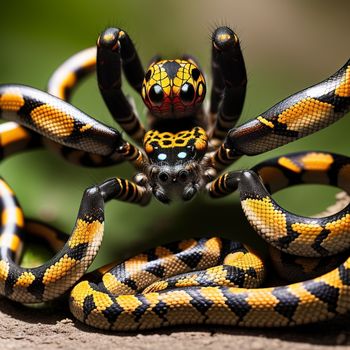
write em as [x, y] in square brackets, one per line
[182, 155]
[162, 156]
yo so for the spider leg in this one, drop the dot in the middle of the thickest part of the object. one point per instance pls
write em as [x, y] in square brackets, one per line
[71, 72]
[63, 123]
[62, 84]
[297, 116]
[229, 82]
[14, 138]
[74, 258]
[115, 50]
[124, 190]
[291, 233]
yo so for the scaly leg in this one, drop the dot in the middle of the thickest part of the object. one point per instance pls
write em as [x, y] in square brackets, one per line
[115, 50]
[62, 84]
[71, 72]
[293, 234]
[229, 82]
[52, 279]
[63, 123]
[297, 116]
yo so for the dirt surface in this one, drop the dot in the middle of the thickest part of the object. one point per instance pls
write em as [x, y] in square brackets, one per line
[21, 327]
[54, 328]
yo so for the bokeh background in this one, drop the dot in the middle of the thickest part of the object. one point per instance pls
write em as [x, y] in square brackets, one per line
[288, 45]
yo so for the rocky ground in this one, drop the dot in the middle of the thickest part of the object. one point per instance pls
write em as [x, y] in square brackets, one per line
[25, 328]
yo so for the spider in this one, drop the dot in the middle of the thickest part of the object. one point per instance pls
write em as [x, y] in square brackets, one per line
[184, 152]
[185, 147]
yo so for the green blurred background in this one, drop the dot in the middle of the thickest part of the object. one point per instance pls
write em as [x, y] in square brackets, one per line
[288, 45]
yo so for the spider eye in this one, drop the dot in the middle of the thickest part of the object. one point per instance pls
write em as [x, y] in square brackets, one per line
[183, 175]
[163, 177]
[195, 74]
[156, 94]
[187, 92]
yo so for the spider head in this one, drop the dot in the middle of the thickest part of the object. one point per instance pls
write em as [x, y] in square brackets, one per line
[174, 170]
[173, 88]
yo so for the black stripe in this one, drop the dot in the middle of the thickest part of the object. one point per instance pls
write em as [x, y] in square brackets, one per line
[191, 257]
[287, 302]
[285, 241]
[112, 312]
[142, 308]
[319, 240]
[161, 309]
[155, 267]
[324, 292]
[12, 277]
[88, 306]
[344, 275]
[122, 188]
[235, 275]
[37, 287]
[123, 276]
[130, 192]
[198, 301]
[237, 303]
[77, 253]
[29, 105]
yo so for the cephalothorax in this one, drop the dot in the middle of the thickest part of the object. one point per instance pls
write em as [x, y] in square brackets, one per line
[175, 163]
[182, 153]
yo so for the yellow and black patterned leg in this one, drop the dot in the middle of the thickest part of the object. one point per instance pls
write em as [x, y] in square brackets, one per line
[52, 279]
[224, 185]
[116, 297]
[143, 293]
[67, 76]
[124, 190]
[57, 120]
[64, 124]
[46, 282]
[14, 138]
[223, 157]
[115, 50]
[229, 81]
[297, 116]
[293, 234]
[62, 83]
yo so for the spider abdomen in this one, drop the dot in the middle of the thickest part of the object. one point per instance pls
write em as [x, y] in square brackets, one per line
[173, 88]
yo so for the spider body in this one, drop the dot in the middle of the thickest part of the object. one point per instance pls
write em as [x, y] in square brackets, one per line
[183, 152]
[173, 91]
[175, 166]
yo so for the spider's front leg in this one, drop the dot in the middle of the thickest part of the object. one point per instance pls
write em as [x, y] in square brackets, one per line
[297, 116]
[288, 232]
[55, 277]
[115, 50]
[229, 82]
[61, 122]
